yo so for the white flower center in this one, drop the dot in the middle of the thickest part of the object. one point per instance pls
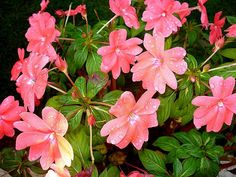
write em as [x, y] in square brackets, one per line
[220, 104]
[163, 14]
[133, 118]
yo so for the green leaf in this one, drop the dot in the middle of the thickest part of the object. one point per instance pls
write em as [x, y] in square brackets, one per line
[177, 168]
[101, 115]
[168, 43]
[93, 63]
[166, 143]
[215, 152]
[135, 32]
[112, 97]
[191, 61]
[75, 119]
[185, 96]
[229, 53]
[184, 151]
[55, 102]
[95, 172]
[231, 19]
[95, 83]
[189, 167]
[208, 168]
[80, 57]
[104, 173]
[192, 37]
[152, 162]
[81, 85]
[182, 137]
[195, 137]
[113, 171]
[165, 108]
[79, 141]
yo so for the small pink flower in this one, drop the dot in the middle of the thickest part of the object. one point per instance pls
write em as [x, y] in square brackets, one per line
[33, 81]
[183, 12]
[218, 109]
[45, 138]
[57, 172]
[43, 5]
[135, 174]
[61, 64]
[124, 9]
[41, 34]
[155, 67]
[133, 120]
[9, 113]
[120, 54]
[17, 67]
[160, 15]
[204, 16]
[216, 32]
[231, 31]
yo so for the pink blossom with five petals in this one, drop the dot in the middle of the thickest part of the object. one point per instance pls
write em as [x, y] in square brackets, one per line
[120, 54]
[215, 110]
[155, 67]
[33, 81]
[41, 34]
[45, 138]
[133, 120]
[216, 32]
[124, 9]
[9, 113]
[159, 14]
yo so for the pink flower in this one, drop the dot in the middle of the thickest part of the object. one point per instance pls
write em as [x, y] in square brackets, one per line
[133, 120]
[17, 67]
[9, 113]
[231, 31]
[155, 67]
[61, 64]
[135, 174]
[183, 12]
[43, 5]
[41, 34]
[216, 32]
[124, 9]
[120, 54]
[204, 16]
[72, 12]
[33, 81]
[45, 138]
[218, 109]
[160, 15]
[57, 172]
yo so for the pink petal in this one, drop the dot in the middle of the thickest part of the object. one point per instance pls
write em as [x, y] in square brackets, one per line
[118, 134]
[154, 45]
[216, 84]
[118, 36]
[124, 105]
[108, 62]
[113, 125]
[35, 122]
[36, 150]
[116, 70]
[219, 121]
[107, 50]
[47, 157]
[66, 150]
[29, 138]
[168, 76]
[175, 54]
[8, 129]
[41, 83]
[139, 137]
[55, 120]
[150, 120]
[207, 101]
[159, 83]
[230, 102]
[228, 116]
[228, 86]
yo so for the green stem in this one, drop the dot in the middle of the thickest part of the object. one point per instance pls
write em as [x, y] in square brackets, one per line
[56, 88]
[101, 103]
[222, 67]
[209, 57]
[106, 24]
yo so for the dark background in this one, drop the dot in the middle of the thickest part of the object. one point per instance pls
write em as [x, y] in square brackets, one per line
[14, 16]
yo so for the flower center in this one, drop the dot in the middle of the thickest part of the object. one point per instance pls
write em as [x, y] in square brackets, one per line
[157, 62]
[118, 51]
[52, 138]
[220, 104]
[133, 118]
[163, 14]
